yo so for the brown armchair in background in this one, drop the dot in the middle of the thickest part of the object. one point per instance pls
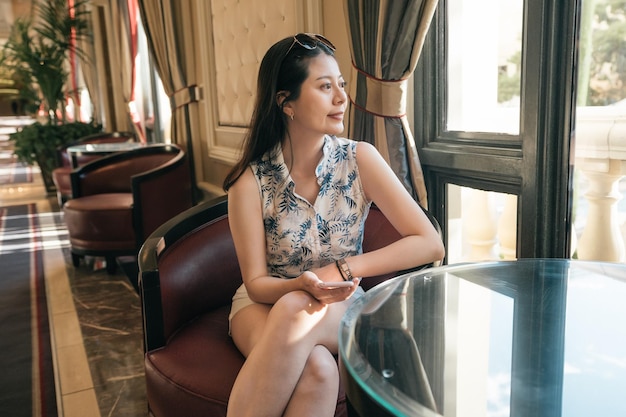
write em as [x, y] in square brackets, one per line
[118, 200]
[188, 273]
[61, 175]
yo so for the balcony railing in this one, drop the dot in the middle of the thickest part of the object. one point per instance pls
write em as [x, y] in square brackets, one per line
[486, 224]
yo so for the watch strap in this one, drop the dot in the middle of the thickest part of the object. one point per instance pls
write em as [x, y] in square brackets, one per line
[344, 269]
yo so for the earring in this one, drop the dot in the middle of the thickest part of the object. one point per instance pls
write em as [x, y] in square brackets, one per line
[291, 117]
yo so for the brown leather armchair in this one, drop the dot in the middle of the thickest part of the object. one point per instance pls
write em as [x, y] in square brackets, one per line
[188, 273]
[118, 200]
[61, 175]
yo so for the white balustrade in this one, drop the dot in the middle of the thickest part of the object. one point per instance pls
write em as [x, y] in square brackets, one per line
[601, 156]
[507, 228]
[479, 224]
[489, 225]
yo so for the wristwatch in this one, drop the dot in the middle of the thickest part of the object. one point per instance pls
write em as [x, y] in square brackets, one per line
[344, 269]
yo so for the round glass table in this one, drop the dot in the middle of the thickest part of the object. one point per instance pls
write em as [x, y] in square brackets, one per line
[533, 337]
[99, 149]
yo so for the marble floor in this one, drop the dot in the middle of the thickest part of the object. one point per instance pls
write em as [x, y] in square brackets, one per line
[95, 321]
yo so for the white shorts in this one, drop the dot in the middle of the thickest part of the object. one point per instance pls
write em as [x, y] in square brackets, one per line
[241, 300]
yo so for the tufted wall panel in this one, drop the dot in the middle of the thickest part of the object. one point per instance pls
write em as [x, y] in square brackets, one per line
[242, 31]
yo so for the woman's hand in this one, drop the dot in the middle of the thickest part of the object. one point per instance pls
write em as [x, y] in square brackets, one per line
[314, 281]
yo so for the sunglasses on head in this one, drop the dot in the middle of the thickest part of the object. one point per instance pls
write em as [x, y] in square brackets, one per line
[310, 41]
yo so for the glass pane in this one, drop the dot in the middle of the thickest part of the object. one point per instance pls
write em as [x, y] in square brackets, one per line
[482, 225]
[484, 57]
[600, 165]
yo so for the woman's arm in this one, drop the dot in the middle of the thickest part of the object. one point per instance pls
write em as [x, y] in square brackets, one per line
[420, 243]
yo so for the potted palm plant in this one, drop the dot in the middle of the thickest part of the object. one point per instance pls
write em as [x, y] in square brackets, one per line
[37, 53]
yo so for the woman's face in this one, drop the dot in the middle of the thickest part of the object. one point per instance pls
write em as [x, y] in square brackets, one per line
[322, 102]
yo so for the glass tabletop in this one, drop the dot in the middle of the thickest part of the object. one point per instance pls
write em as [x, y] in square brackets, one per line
[110, 147]
[541, 337]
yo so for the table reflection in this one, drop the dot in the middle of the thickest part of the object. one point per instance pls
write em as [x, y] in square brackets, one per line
[522, 338]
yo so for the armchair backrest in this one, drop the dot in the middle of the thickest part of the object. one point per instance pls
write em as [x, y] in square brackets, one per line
[160, 194]
[113, 173]
[186, 267]
[189, 266]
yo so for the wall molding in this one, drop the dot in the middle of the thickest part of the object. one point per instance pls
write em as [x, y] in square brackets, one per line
[224, 140]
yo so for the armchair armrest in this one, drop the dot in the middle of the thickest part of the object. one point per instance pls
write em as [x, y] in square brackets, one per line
[151, 294]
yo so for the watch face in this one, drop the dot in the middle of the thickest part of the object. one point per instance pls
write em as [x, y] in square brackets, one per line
[345, 268]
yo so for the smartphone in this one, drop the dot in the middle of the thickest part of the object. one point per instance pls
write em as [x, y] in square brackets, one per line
[338, 284]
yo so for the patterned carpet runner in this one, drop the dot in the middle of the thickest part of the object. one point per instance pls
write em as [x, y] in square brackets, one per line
[12, 171]
[27, 379]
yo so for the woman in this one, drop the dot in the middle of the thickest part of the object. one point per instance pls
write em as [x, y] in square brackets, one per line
[297, 203]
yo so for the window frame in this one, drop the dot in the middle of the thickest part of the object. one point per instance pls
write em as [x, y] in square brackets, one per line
[537, 164]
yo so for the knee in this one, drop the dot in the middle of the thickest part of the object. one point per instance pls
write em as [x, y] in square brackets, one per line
[297, 301]
[321, 368]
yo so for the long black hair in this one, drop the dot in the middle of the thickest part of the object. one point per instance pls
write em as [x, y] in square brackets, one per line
[283, 69]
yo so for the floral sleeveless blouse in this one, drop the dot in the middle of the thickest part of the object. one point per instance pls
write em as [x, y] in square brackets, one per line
[302, 235]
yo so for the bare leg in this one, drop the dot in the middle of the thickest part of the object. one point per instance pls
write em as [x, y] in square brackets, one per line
[316, 392]
[291, 332]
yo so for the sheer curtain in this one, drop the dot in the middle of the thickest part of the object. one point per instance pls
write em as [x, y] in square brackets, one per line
[386, 39]
[129, 10]
[88, 69]
[124, 62]
[168, 25]
[119, 42]
[126, 42]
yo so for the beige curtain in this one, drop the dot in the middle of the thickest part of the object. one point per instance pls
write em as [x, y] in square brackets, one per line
[386, 39]
[169, 30]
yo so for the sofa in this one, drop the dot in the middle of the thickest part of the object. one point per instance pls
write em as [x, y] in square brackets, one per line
[188, 273]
